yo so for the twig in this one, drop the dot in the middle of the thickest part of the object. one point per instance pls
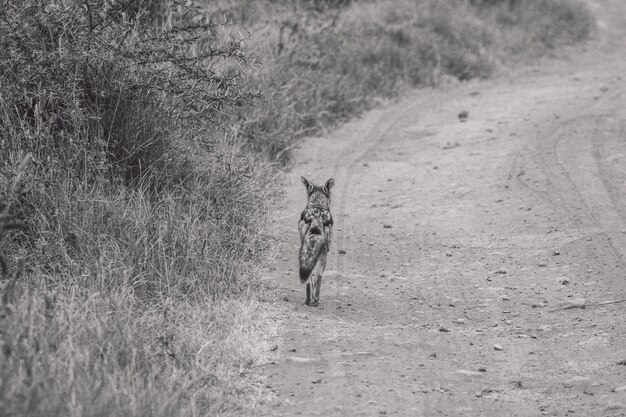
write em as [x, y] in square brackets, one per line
[583, 306]
[605, 303]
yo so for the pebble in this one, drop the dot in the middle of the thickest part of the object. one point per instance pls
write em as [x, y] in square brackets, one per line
[299, 360]
[621, 388]
[498, 347]
[467, 372]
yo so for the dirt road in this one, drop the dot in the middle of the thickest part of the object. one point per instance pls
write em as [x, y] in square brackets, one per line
[470, 249]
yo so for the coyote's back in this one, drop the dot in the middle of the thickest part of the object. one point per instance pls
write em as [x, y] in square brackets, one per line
[315, 227]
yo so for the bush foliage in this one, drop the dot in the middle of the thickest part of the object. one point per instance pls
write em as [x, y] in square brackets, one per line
[120, 105]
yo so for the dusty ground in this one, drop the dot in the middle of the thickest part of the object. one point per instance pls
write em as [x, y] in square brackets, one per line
[465, 242]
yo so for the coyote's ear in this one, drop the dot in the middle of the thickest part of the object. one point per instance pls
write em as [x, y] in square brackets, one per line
[329, 184]
[307, 184]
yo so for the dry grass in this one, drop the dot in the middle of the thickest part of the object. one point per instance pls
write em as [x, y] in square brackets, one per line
[93, 354]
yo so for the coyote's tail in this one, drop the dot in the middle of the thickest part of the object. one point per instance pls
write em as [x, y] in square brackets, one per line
[310, 251]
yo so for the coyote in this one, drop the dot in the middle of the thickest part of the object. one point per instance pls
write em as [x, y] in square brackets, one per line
[315, 227]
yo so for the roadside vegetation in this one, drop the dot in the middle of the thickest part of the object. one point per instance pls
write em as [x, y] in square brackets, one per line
[139, 142]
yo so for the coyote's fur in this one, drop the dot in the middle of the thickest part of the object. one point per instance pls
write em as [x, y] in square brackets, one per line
[315, 227]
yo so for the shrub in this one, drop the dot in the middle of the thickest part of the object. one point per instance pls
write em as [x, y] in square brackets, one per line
[121, 106]
[530, 29]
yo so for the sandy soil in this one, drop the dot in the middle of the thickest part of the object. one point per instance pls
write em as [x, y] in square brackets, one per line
[470, 250]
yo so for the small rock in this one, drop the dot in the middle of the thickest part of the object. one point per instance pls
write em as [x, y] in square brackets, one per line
[498, 347]
[621, 388]
[578, 302]
[274, 348]
[555, 253]
[468, 372]
[500, 271]
[459, 321]
[542, 265]
[443, 329]
[296, 359]
[448, 253]
[505, 298]
[463, 115]
[622, 362]
[509, 322]
[317, 380]
[614, 407]
[285, 298]
[387, 226]
[342, 252]
[482, 370]
[450, 145]
[563, 281]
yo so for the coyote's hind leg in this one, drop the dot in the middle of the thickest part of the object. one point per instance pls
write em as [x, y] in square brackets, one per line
[308, 292]
[316, 278]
